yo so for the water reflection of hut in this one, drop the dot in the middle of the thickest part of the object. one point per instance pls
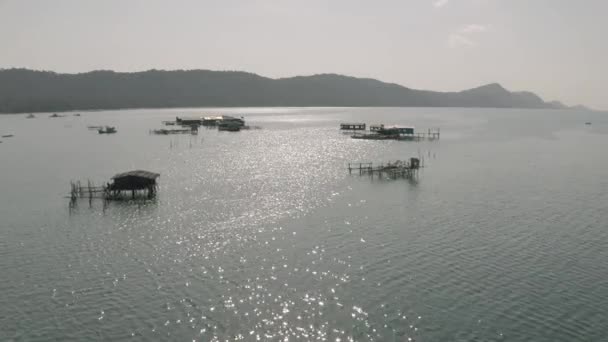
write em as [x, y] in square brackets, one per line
[134, 181]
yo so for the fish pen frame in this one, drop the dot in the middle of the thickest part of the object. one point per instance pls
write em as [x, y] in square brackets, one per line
[398, 169]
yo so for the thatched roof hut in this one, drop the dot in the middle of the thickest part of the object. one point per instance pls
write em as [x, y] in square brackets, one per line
[134, 180]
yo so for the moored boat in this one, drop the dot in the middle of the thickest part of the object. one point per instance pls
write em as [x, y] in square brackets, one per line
[164, 131]
[229, 126]
[188, 121]
[107, 130]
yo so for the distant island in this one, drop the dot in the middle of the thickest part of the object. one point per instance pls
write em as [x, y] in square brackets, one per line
[24, 91]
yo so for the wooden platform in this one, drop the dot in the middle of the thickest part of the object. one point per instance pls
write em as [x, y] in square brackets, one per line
[429, 135]
[397, 169]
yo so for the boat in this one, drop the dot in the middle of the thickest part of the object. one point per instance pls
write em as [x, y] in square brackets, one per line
[229, 126]
[587, 123]
[233, 120]
[30, 116]
[77, 114]
[374, 136]
[188, 121]
[164, 131]
[161, 131]
[8, 136]
[107, 130]
[55, 115]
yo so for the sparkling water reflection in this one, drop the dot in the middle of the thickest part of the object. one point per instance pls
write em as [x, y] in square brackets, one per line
[263, 235]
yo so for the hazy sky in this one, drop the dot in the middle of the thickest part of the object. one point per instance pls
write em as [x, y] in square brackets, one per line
[556, 48]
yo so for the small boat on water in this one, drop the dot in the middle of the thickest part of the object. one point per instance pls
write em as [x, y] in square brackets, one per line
[587, 123]
[229, 126]
[77, 114]
[222, 119]
[8, 136]
[30, 116]
[107, 130]
[188, 121]
[164, 131]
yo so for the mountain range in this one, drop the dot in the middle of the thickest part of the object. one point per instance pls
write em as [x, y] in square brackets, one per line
[24, 90]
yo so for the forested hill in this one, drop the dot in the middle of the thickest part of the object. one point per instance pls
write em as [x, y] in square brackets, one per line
[23, 90]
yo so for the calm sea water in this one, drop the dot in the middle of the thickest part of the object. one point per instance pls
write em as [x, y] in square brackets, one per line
[263, 235]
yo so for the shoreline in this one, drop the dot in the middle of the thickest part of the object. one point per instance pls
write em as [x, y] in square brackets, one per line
[312, 107]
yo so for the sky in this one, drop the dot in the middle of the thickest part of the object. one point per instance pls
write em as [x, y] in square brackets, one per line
[555, 48]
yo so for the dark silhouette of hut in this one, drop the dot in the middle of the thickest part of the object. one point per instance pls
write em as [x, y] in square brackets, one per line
[134, 181]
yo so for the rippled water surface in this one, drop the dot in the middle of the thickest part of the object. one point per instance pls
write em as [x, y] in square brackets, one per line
[263, 234]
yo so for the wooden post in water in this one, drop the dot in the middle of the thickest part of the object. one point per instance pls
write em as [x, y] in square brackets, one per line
[73, 192]
[90, 186]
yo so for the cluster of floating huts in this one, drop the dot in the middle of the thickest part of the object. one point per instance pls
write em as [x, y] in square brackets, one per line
[140, 182]
[382, 132]
[188, 125]
[191, 125]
